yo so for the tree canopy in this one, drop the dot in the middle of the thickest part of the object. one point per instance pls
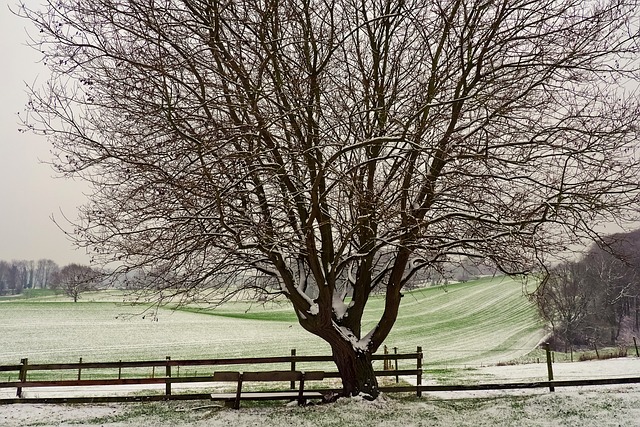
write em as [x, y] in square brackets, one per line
[74, 279]
[327, 149]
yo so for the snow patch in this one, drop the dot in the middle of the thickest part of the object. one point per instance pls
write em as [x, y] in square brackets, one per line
[339, 307]
[357, 344]
[314, 309]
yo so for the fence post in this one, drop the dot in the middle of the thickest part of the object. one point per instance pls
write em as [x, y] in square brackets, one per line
[293, 368]
[80, 369]
[549, 365]
[419, 374]
[120, 370]
[635, 344]
[23, 375]
[168, 383]
[395, 351]
[386, 360]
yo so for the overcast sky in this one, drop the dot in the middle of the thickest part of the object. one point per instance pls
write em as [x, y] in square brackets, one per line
[29, 193]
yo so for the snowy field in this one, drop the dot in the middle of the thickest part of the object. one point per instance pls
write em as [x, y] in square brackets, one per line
[470, 324]
[582, 406]
[464, 330]
[50, 332]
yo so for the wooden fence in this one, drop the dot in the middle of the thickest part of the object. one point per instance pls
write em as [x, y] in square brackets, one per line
[167, 372]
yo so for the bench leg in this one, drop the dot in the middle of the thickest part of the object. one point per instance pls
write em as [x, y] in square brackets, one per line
[236, 404]
[301, 400]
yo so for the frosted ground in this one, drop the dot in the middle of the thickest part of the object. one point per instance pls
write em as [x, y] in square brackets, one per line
[464, 329]
[482, 322]
[583, 406]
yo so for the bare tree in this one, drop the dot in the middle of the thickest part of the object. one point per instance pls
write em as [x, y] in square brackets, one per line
[45, 269]
[19, 276]
[568, 301]
[587, 301]
[615, 274]
[4, 277]
[321, 149]
[74, 279]
[25, 274]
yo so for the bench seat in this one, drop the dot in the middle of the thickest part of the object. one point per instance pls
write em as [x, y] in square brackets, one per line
[268, 395]
[299, 394]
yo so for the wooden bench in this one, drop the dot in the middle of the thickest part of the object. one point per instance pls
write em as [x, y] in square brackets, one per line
[299, 394]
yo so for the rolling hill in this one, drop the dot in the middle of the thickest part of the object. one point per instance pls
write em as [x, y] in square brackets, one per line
[467, 324]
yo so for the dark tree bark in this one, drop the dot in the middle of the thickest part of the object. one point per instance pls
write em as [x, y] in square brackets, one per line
[356, 370]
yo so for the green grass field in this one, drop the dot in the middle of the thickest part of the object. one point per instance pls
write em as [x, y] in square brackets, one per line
[470, 324]
[462, 325]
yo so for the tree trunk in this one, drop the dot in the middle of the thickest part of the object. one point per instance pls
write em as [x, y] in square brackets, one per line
[356, 371]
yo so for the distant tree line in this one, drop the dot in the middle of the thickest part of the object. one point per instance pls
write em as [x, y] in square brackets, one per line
[19, 275]
[595, 300]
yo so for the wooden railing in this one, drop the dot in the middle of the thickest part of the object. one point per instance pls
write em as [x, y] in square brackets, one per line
[290, 369]
[164, 372]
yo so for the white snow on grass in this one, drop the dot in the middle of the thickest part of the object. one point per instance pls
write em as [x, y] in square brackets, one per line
[101, 332]
[468, 324]
[586, 407]
[464, 325]
[611, 368]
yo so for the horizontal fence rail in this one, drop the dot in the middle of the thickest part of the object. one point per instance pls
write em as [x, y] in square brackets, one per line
[513, 386]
